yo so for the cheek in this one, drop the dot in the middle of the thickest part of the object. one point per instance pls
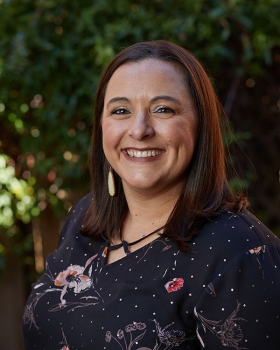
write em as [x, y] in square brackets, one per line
[106, 134]
[181, 136]
[106, 137]
[111, 135]
[189, 136]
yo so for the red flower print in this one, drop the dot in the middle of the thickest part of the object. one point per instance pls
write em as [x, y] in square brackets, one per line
[174, 285]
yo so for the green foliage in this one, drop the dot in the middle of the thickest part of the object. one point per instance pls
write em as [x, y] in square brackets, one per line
[51, 57]
[17, 203]
[17, 199]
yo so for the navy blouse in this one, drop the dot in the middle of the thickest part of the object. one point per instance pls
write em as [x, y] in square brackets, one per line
[225, 294]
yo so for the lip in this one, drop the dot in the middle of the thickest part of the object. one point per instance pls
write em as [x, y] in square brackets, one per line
[150, 154]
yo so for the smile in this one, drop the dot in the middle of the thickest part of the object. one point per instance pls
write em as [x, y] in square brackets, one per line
[143, 154]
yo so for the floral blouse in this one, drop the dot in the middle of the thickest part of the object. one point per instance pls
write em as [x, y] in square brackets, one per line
[225, 294]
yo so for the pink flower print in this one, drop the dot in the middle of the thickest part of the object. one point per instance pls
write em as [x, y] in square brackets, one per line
[72, 277]
[108, 336]
[255, 250]
[125, 341]
[139, 325]
[65, 347]
[174, 285]
[134, 326]
[120, 334]
[130, 328]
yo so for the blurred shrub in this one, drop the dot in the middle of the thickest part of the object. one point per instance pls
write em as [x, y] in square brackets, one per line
[51, 56]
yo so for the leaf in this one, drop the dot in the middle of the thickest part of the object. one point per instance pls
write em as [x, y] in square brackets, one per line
[90, 260]
[136, 339]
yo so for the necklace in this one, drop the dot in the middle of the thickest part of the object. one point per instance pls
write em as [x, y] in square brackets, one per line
[125, 244]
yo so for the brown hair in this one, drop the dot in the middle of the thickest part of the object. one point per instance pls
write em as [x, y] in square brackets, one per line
[206, 192]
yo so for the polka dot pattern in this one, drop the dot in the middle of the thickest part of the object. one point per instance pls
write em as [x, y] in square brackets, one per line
[223, 294]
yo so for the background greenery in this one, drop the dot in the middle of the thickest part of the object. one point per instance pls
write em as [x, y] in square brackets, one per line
[51, 57]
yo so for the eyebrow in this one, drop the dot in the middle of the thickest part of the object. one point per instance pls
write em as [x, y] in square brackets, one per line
[154, 99]
[165, 97]
[117, 99]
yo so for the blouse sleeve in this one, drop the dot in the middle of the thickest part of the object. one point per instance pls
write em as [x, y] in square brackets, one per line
[240, 308]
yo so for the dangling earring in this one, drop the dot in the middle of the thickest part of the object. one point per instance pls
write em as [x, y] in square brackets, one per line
[111, 183]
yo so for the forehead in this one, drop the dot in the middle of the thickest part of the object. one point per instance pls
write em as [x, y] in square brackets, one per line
[148, 72]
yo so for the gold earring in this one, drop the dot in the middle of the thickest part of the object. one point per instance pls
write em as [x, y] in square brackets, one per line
[111, 183]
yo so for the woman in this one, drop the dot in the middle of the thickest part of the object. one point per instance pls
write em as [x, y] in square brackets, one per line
[170, 257]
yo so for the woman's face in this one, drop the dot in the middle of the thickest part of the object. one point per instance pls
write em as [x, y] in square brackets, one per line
[149, 126]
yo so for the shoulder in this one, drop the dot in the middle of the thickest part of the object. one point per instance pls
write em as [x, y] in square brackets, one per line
[234, 233]
[82, 204]
[81, 207]
[239, 264]
[76, 214]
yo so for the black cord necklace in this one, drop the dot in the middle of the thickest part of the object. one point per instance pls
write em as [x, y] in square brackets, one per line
[125, 244]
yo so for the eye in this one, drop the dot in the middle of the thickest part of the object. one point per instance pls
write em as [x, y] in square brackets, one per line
[163, 109]
[120, 111]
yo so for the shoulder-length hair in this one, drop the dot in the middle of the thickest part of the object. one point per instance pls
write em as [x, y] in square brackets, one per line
[205, 193]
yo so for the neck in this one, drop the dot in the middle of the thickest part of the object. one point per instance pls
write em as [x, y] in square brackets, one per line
[147, 212]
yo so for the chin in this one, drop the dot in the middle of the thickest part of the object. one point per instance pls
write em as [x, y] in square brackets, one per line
[141, 184]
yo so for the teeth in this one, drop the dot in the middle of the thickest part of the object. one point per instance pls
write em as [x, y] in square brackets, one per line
[144, 154]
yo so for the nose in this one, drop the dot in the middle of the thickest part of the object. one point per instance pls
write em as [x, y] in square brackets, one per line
[141, 126]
